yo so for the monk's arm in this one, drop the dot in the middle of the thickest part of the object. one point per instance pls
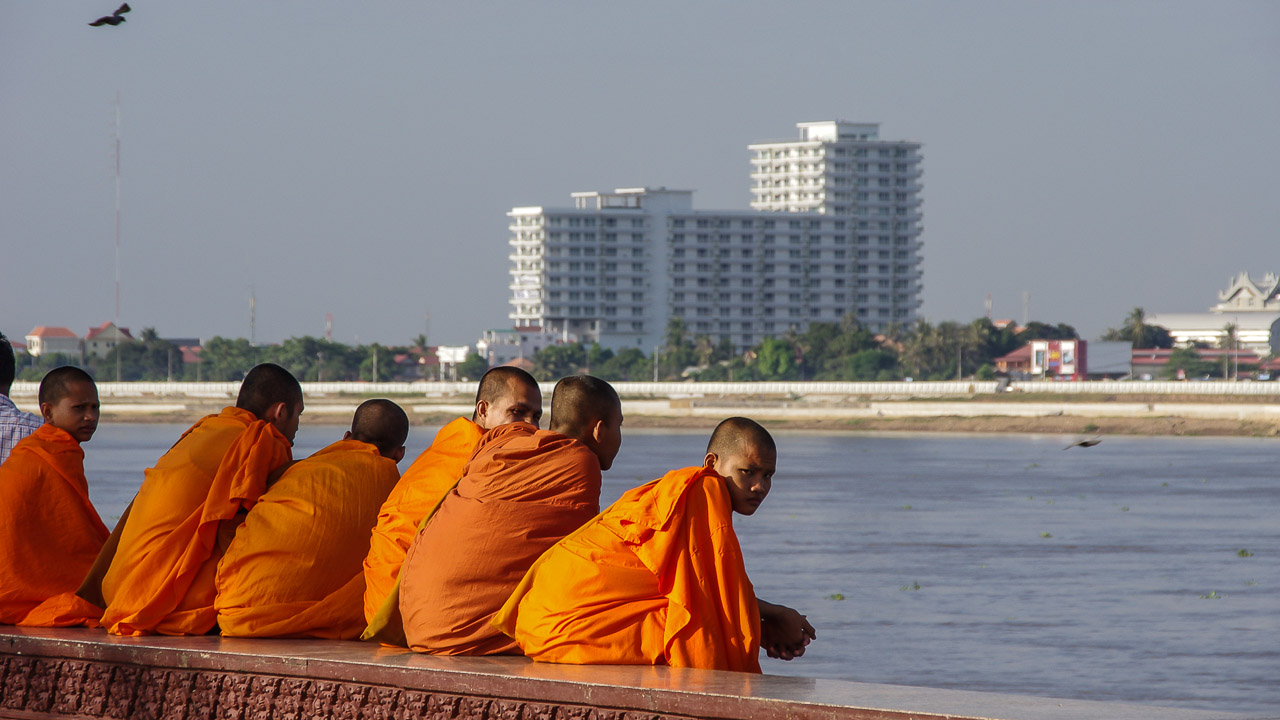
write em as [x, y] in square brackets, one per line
[784, 632]
[91, 589]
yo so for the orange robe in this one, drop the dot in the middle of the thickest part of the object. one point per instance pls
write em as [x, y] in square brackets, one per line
[294, 567]
[420, 489]
[50, 533]
[161, 579]
[656, 579]
[523, 490]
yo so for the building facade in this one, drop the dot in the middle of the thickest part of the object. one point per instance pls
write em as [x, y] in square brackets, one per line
[49, 340]
[834, 230]
[1248, 309]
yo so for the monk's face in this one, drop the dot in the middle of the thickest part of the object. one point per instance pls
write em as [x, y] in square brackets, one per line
[76, 412]
[748, 472]
[608, 437]
[520, 403]
[287, 418]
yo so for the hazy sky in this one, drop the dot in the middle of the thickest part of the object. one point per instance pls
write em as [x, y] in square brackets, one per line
[359, 159]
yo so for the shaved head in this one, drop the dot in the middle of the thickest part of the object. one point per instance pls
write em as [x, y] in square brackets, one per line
[8, 365]
[266, 385]
[736, 434]
[588, 409]
[497, 382]
[743, 453]
[57, 383]
[381, 423]
[580, 401]
[506, 395]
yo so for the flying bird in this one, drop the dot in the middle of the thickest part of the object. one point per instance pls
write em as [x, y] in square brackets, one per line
[114, 18]
[1083, 443]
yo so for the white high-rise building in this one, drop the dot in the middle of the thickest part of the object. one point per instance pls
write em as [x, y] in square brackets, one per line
[835, 230]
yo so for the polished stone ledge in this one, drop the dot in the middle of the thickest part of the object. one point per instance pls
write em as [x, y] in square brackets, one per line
[77, 673]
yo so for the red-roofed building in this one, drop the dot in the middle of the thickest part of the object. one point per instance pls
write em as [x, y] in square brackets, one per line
[101, 339]
[49, 340]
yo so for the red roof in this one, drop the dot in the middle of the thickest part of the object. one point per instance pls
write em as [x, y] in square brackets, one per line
[1021, 354]
[95, 332]
[45, 331]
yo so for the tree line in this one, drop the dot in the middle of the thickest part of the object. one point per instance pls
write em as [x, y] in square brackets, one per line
[843, 350]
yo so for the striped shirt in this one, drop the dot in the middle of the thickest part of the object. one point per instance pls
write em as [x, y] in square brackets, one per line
[14, 425]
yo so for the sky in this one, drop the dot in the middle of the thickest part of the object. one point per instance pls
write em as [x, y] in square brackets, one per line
[359, 160]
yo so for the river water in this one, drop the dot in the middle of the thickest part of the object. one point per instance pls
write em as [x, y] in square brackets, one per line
[1142, 569]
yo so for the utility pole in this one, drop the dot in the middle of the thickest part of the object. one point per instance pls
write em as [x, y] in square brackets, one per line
[116, 133]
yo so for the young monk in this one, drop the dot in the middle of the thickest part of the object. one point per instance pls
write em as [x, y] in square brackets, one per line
[658, 577]
[160, 579]
[294, 567]
[49, 531]
[523, 490]
[505, 395]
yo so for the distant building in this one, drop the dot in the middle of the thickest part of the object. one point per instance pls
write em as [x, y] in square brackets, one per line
[1245, 295]
[1252, 307]
[48, 340]
[450, 356]
[1067, 359]
[500, 347]
[100, 340]
[834, 230]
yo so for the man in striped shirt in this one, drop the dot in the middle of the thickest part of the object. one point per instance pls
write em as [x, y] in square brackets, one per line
[14, 423]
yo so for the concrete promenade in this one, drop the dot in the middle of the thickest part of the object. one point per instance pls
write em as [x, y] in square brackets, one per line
[79, 673]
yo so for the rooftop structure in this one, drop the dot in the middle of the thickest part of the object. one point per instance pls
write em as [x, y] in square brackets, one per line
[834, 230]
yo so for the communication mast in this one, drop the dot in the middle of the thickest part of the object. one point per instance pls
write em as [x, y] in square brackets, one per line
[328, 327]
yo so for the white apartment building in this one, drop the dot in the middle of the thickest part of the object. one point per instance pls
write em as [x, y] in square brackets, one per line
[823, 240]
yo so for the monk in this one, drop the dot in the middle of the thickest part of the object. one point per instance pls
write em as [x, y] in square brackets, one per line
[658, 578]
[160, 578]
[505, 395]
[294, 568]
[523, 490]
[49, 531]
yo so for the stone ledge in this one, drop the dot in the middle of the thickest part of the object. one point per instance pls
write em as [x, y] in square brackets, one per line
[77, 673]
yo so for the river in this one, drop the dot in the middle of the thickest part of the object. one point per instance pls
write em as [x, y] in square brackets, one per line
[1142, 569]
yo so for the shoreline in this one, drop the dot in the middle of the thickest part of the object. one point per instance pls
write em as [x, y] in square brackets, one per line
[1234, 420]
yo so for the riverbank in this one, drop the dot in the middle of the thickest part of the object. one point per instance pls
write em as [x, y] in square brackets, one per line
[1242, 417]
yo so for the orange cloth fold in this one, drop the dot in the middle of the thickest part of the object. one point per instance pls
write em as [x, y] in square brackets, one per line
[50, 533]
[419, 490]
[162, 577]
[523, 490]
[295, 566]
[658, 578]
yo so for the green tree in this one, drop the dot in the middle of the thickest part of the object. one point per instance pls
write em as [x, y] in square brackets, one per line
[1136, 331]
[1189, 361]
[224, 359]
[776, 360]
[147, 358]
[473, 368]
[556, 361]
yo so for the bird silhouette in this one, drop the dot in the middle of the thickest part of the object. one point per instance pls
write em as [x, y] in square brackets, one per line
[114, 18]
[1083, 443]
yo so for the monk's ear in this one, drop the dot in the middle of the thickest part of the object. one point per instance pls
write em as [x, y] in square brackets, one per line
[46, 411]
[276, 412]
[346, 435]
[398, 455]
[482, 409]
[710, 460]
[598, 429]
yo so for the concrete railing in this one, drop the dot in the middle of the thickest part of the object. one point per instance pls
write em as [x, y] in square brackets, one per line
[79, 673]
[953, 388]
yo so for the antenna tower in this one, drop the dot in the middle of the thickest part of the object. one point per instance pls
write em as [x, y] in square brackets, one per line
[328, 327]
[987, 306]
[253, 319]
[115, 131]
